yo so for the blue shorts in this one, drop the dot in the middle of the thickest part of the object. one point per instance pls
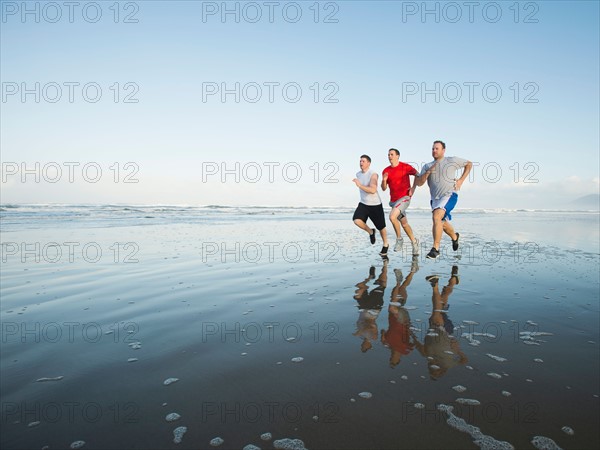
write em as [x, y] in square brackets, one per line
[447, 203]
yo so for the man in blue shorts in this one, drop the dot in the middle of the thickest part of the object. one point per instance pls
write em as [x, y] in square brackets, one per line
[370, 206]
[440, 175]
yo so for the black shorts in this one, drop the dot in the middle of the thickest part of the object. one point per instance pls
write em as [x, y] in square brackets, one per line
[375, 213]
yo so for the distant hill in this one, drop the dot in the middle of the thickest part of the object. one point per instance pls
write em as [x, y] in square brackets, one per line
[591, 201]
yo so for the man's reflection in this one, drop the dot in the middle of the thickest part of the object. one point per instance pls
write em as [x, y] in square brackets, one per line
[369, 306]
[398, 337]
[440, 347]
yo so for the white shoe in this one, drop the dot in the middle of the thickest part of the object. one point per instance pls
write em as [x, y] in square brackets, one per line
[415, 247]
[399, 276]
[398, 245]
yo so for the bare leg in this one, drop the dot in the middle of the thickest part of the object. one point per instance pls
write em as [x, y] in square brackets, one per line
[362, 225]
[407, 228]
[395, 222]
[449, 229]
[383, 233]
[437, 227]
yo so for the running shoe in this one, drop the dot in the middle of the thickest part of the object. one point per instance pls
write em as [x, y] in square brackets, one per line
[455, 242]
[384, 250]
[372, 236]
[415, 247]
[433, 279]
[398, 245]
[433, 253]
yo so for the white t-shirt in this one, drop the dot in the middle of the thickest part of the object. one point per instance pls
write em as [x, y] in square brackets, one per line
[365, 197]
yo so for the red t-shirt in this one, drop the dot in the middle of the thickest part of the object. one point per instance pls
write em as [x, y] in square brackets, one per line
[398, 336]
[399, 180]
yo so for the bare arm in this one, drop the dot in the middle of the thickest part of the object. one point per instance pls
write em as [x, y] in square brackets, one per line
[384, 183]
[371, 188]
[465, 174]
[420, 180]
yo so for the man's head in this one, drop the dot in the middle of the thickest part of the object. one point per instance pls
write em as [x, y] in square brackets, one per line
[438, 149]
[365, 162]
[393, 156]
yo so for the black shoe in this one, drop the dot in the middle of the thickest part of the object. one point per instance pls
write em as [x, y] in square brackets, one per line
[455, 242]
[455, 274]
[433, 279]
[433, 254]
[384, 250]
[372, 236]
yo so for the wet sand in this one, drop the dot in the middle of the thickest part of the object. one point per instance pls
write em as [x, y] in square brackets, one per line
[225, 305]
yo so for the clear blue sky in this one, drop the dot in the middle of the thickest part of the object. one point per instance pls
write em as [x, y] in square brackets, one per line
[372, 55]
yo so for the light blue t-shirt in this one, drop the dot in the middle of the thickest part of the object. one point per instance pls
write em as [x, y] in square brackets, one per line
[442, 181]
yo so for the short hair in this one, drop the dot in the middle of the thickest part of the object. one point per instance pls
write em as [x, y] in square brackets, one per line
[394, 150]
[441, 143]
[367, 157]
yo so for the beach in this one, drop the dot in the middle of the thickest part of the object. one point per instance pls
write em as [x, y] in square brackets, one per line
[251, 320]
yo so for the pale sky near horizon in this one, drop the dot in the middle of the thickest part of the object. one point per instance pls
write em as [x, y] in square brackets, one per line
[511, 86]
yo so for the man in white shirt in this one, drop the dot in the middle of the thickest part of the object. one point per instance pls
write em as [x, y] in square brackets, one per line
[370, 206]
[440, 175]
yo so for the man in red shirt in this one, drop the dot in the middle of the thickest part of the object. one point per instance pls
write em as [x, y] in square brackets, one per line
[397, 176]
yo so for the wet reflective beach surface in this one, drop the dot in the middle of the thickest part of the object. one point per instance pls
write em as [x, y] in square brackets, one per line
[286, 329]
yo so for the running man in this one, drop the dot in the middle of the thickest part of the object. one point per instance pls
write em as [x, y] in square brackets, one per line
[370, 206]
[443, 187]
[397, 176]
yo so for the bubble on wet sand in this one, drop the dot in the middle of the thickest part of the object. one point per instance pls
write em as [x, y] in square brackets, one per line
[244, 354]
[216, 441]
[459, 388]
[289, 444]
[483, 441]
[496, 358]
[468, 401]
[404, 377]
[172, 417]
[365, 395]
[178, 434]
[266, 436]
[470, 322]
[77, 444]
[495, 375]
[544, 443]
[538, 360]
[315, 418]
[472, 341]
[41, 380]
[419, 405]
[297, 359]
[568, 430]
[169, 381]
[506, 393]
[132, 360]
[434, 367]
[469, 367]
[251, 447]
[33, 424]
